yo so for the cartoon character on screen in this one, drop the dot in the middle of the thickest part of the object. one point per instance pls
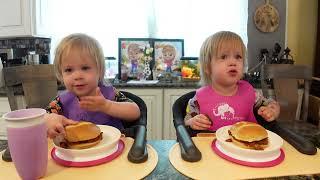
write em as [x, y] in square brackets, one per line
[134, 53]
[169, 54]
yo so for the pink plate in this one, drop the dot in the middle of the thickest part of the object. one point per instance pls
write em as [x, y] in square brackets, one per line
[271, 163]
[108, 158]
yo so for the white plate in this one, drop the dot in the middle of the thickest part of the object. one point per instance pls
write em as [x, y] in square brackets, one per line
[107, 146]
[270, 153]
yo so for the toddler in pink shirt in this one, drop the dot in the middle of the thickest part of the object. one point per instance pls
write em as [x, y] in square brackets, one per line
[224, 99]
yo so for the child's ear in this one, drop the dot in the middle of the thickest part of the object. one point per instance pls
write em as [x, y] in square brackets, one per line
[207, 70]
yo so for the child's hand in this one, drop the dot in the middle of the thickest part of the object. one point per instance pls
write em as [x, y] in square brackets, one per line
[270, 112]
[199, 122]
[95, 103]
[56, 124]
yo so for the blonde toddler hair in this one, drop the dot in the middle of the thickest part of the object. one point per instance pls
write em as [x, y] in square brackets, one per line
[212, 45]
[85, 44]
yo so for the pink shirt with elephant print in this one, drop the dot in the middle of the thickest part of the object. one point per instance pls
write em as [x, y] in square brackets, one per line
[227, 110]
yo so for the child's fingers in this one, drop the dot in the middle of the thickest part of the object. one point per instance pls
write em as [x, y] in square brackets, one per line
[204, 119]
[85, 104]
[261, 109]
[201, 124]
[198, 126]
[60, 129]
[66, 122]
[87, 98]
[268, 114]
[52, 133]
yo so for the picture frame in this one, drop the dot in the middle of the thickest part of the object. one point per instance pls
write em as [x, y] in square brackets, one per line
[135, 58]
[190, 68]
[167, 54]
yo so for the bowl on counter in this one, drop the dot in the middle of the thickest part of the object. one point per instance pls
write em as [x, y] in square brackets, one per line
[270, 153]
[107, 146]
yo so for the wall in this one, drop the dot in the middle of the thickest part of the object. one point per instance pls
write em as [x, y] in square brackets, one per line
[302, 30]
[258, 40]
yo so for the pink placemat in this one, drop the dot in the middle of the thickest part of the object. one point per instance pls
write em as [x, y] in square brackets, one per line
[271, 163]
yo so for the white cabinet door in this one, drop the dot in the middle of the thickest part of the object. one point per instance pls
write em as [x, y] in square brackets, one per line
[4, 108]
[153, 99]
[22, 18]
[170, 96]
[4, 105]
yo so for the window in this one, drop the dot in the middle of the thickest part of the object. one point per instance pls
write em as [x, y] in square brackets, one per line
[191, 20]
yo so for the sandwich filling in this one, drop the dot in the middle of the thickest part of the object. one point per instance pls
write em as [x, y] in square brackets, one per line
[248, 135]
[67, 144]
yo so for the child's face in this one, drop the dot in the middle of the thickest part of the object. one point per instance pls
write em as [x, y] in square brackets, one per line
[168, 55]
[79, 73]
[227, 68]
[134, 54]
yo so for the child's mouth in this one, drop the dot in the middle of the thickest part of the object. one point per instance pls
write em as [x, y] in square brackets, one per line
[233, 72]
[79, 86]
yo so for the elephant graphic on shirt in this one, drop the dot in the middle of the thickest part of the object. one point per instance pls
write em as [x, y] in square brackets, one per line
[222, 109]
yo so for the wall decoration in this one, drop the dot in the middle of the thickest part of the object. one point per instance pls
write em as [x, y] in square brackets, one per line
[266, 17]
[167, 54]
[135, 58]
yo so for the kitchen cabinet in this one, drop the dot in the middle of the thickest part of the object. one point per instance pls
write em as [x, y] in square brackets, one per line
[169, 97]
[159, 103]
[4, 108]
[23, 18]
[154, 101]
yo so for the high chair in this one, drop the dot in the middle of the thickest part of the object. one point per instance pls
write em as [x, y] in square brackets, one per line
[137, 130]
[189, 152]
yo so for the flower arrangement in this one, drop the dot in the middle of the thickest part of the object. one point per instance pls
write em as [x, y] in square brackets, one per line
[147, 53]
[146, 58]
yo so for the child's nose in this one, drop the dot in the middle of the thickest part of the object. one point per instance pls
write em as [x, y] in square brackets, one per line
[232, 62]
[77, 75]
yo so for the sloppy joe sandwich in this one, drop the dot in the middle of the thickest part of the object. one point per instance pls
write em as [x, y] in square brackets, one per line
[249, 135]
[81, 136]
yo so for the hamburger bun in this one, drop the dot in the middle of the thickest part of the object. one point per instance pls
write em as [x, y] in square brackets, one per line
[249, 135]
[82, 135]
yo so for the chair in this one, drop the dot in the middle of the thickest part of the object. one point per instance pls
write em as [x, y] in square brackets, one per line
[137, 130]
[39, 84]
[189, 152]
[39, 87]
[291, 85]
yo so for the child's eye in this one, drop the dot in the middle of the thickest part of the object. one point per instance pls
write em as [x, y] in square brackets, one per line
[85, 68]
[238, 57]
[67, 70]
[223, 56]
